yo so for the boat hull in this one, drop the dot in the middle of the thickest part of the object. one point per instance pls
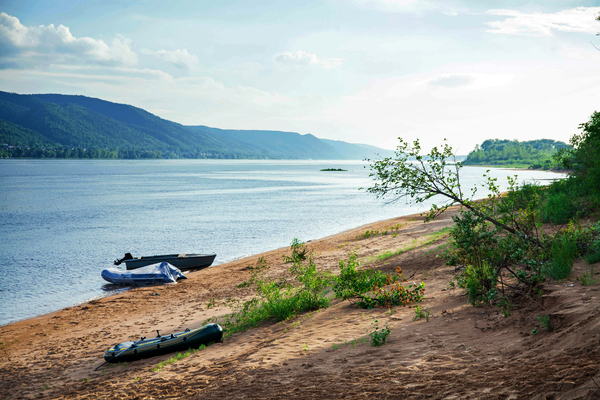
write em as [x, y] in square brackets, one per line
[181, 261]
[182, 341]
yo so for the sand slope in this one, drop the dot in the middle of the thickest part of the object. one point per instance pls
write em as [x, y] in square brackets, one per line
[462, 352]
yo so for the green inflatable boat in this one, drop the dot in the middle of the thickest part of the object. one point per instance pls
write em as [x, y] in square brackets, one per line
[163, 344]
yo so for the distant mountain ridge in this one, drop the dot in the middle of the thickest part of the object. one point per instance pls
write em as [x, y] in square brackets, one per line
[57, 125]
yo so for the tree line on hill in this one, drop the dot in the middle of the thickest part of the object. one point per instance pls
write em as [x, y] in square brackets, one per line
[533, 153]
[62, 126]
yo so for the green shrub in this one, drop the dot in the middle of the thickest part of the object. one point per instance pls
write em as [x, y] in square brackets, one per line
[420, 313]
[351, 282]
[560, 208]
[588, 277]
[379, 335]
[280, 299]
[564, 251]
[480, 283]
[592, 257]
[592, 250]
[472, 241]
[544, 320]
[396, 295]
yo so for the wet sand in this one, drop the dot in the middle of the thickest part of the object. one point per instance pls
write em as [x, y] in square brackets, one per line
[461, 352]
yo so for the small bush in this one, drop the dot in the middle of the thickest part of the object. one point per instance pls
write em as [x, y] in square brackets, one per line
[280, 299]
[420, 313]
[351, 282]
[564, 202]
[564, 251]
[472, 241]
[592, 251]
[588, 277]
[479, 283]
[379, 335]
[592, 257]
[505, 306]
[397, 295]
[544, 320]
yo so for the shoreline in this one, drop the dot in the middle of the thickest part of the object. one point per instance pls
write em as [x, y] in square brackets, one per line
[242, 259]
[253, 256]
[458, 351]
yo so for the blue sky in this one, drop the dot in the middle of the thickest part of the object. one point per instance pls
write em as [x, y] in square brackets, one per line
[363, 71]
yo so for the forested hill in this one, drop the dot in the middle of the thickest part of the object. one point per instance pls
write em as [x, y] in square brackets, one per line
[64, 126]
[532, 153]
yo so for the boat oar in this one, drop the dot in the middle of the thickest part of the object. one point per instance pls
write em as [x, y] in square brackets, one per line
[121, 352]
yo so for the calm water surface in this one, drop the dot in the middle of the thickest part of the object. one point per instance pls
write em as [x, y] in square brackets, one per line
[62, 222]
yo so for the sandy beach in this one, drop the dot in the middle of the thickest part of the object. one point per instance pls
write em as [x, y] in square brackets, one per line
[461, 352]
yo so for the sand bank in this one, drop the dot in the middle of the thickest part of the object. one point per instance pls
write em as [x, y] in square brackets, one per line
[462, 352]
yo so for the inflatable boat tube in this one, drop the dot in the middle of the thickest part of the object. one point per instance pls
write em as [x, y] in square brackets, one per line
[163, 344]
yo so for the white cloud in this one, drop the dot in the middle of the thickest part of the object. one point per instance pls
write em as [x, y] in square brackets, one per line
[39, 45]
[580, 19]
[179, 58]
[471, 80]
[394, 5]
[302, 59]
[452, 81]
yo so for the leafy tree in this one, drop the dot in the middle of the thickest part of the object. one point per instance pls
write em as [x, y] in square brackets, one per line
[434, 175]
[496, 234]
[583, 160]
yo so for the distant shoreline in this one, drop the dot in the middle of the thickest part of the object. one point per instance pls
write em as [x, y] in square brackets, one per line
[517, 168]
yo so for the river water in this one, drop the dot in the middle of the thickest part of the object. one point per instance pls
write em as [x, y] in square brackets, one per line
[63, 221]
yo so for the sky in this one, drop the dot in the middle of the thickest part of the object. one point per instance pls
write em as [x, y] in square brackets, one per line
[361, 71]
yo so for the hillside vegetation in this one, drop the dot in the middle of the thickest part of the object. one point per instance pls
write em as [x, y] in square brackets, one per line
[533, 153]
[62, 126]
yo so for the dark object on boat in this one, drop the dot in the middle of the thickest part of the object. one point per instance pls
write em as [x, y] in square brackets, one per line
[128, 256]
[149, 275]
[181, 261]
[163, 344]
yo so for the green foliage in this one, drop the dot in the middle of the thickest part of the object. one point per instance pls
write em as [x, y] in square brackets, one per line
[212, 302]
[505, 306]
[472, 241]
[591, 244]
[280, 299]
[351, 282]
[544, 320]
[485, 251]
[354, 285]
[564, 251]
[375, 233]
[563, 202]
[537, 153]
[592, 257]
[480, 283]
[588, 277]
[368, 233]
[420, 313]
[396, 295]
[378, 335]
[583, 159]
[418, 181]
